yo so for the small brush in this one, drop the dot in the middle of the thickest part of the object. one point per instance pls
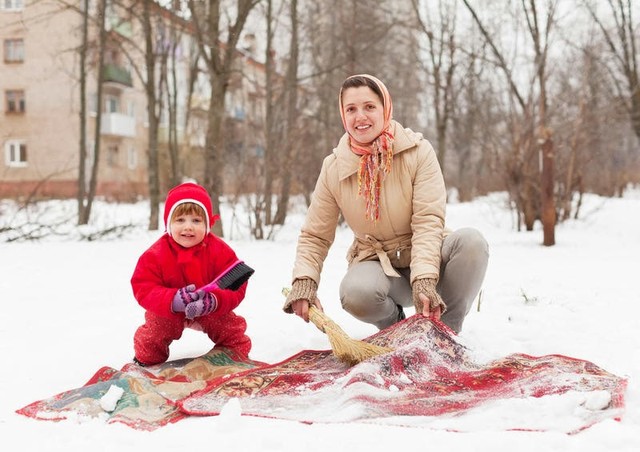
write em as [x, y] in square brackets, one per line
[231, 278]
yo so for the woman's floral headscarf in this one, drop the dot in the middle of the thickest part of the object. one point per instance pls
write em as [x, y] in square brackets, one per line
[376, 157]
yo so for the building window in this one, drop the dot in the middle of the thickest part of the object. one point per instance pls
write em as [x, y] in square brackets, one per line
[15, 153]
[15, 101]
[132, 158]
[112, 156]
[111, 104]
[13, 50]
[12, 5]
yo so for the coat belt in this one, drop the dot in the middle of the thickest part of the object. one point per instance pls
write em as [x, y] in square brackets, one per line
[382, 256]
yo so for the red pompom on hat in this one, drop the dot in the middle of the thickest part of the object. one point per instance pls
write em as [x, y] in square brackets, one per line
[188, 192]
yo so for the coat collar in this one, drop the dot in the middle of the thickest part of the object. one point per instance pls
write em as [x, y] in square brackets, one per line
[348, 162]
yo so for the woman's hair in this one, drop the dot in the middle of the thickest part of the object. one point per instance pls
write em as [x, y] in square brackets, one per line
[188, 208]
[360, 80]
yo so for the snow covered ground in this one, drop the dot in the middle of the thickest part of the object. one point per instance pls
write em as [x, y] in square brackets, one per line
[67, 305]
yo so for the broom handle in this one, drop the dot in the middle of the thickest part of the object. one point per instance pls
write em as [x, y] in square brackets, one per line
[317, 317]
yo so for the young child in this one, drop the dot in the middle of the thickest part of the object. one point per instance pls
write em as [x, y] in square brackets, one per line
[168, 274]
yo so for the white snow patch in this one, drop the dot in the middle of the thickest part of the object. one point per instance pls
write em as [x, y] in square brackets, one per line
[110, 399]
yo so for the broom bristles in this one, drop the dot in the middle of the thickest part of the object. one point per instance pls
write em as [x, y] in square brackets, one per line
[346, 349]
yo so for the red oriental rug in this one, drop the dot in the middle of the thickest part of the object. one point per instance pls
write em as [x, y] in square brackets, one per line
[428, 377]
[429, 380]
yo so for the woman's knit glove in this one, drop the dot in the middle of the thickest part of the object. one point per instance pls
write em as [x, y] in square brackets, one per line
[427, 286]
[301, 289]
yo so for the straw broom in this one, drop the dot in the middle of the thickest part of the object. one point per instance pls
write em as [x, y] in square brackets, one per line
[346, 349]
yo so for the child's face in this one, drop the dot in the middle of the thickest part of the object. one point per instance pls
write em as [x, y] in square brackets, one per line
[188, 229]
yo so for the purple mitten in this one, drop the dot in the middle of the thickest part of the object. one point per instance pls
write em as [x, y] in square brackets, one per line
[205, 304]
[183, 297]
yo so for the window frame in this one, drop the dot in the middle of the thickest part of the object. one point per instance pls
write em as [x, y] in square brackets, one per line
[15, 97]
[10, 156]
[10, 50]
[12, 5]
[132, 157]
[113, 155]
[111, 104]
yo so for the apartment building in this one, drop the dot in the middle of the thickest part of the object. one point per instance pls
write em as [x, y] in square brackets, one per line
[40, 116]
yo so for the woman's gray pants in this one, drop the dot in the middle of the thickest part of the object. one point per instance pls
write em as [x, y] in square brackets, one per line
[373, 297]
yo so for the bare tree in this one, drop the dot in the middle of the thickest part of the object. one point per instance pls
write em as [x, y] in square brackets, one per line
[218, 50]
[85, 204]
[263, 203]
[621, 40]
[540, 32]
[291, 141]
[149, 55]
[531, 133]
[153, 114]
[82, 154]
[442, 64]
[471, 127]
[343, 38]
[169, 65]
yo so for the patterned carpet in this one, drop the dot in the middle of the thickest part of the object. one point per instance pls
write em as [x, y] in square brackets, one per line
[429, 374]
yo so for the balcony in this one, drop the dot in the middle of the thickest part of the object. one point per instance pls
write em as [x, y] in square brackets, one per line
[117, 74]
[117, 124]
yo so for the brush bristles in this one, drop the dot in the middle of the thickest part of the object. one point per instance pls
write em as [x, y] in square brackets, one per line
[235, 277]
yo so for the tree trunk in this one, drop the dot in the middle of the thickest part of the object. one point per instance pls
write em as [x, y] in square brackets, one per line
[219, 61]
[292, 115]
[174, 141]
[171, 89]
[93, 182]
[263, 214]
[82, 163]
[548, 200]
[150, 88]
[214, 158]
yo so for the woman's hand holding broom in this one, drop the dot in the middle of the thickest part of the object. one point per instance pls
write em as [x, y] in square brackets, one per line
[346, 349]
[301, 308]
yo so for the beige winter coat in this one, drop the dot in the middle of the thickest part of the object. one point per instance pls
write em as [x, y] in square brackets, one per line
[412, 211]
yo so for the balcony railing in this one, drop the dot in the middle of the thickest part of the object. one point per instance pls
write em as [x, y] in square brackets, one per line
[117, 124]
[117, 74]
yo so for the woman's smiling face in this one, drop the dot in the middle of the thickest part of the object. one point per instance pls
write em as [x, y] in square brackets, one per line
[363, 114]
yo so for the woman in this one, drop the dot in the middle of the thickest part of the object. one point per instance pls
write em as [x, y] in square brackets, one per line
[387, 183]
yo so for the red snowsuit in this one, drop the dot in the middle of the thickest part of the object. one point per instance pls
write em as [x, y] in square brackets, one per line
[166, 267]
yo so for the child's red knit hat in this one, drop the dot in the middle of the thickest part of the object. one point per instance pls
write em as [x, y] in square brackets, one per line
[188, 192]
